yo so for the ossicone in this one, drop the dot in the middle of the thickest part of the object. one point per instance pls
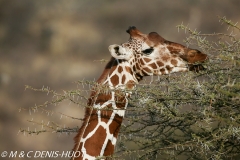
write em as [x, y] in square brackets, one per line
[130, 28]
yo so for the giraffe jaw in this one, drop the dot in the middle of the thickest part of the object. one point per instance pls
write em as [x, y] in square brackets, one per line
[119, 52]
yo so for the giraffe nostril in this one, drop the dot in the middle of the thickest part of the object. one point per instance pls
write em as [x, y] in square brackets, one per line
[116, 49]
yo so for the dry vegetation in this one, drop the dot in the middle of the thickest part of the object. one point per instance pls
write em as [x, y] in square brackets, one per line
[188, 115]
[55, 43]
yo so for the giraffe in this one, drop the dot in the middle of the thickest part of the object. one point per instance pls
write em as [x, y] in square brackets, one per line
[143, 55]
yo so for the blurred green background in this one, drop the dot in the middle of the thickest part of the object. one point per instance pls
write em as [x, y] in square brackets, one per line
[54, 43]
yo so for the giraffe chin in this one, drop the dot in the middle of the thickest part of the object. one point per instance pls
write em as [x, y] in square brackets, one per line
[119, 52]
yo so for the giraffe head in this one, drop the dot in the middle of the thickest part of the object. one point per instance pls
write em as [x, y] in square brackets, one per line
[150, 54]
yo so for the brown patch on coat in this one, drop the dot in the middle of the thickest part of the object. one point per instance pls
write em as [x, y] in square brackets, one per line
[120, 69]
[174, 62]
[162, 70]
[97, 139]
[147, 70]
[173, 50]
[142, 62]
[160, 64]
[153, 65]
[165, 58]
[92, 123]
[109, 149]
[123, 79]
[115, 80]
[147, 60]
[169, 68]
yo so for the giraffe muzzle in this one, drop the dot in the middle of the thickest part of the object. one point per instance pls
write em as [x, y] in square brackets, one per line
[118, 52]
[114, 49]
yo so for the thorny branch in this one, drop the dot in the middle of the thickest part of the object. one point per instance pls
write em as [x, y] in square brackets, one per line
[185, 115]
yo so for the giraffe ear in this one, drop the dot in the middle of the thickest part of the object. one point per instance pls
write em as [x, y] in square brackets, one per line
[119, 52]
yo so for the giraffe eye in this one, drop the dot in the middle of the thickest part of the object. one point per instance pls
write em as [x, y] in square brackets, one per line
[148, 51]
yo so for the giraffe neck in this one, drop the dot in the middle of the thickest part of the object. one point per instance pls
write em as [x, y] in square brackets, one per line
[98, 134]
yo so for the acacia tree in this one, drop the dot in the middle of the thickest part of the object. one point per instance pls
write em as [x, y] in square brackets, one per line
[177, 116]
